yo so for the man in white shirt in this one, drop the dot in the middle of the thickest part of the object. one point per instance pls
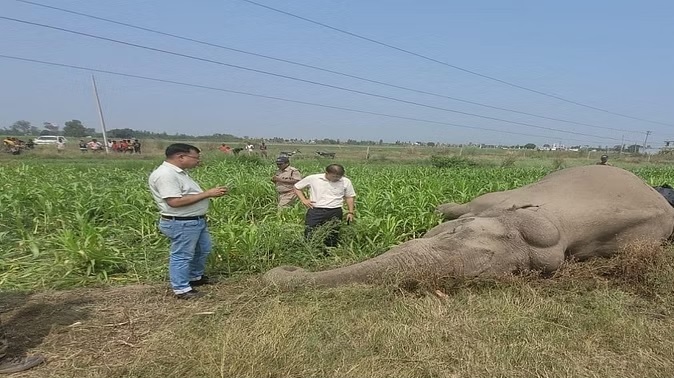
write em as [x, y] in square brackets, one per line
[328, 192]
[183, 206]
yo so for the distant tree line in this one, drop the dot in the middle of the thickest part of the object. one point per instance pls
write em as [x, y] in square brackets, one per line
[73, 128]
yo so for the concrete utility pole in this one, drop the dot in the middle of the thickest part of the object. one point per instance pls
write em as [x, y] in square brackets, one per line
[646, 140]
[100, 114]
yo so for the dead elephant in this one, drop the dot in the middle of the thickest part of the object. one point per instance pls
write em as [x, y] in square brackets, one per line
[578, 212]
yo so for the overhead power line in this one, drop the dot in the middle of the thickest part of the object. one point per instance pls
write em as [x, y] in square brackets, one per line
[210, 44]
[300, 79]
[508, 83]
[148, 78]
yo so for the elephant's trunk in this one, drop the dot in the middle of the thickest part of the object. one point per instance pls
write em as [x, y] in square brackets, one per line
[414, 259]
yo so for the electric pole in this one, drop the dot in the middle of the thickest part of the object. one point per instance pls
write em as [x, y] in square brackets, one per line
[100, 114]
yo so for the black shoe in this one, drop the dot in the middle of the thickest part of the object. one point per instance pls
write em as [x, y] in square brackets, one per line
[16, 364]
[204, 280]
[192, 294]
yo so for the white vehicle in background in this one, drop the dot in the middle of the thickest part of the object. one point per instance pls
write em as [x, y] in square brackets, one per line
[50, 139]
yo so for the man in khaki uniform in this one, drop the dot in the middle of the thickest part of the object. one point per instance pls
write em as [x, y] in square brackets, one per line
[285, 177]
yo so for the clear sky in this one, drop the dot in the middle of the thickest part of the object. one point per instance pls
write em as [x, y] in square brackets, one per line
[615, 55]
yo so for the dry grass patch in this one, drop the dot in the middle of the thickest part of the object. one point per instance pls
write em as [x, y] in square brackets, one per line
[514, 331]
[642, 267]
[587, 321]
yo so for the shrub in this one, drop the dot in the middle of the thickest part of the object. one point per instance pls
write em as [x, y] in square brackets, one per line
[452, 162]
[509, 161]
[558, 163]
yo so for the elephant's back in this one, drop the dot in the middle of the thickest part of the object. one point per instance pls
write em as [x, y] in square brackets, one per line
[596, 187]
[594, 192]
[596, 203]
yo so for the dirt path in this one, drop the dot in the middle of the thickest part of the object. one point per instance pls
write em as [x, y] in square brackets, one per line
[94, 332]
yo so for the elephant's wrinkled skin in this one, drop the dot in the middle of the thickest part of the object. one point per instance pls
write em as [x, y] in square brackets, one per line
[580, 212]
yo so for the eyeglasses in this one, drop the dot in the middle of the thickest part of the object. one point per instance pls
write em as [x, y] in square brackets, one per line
[193, 157]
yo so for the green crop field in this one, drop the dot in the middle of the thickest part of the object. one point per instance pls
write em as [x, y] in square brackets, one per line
[88, 223]
[71, 223]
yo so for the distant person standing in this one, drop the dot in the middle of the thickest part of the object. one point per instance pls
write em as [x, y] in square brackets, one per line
[284, 179]
[60, 145]
[249, 148]
[263, 150]
[183, 206]
[328, 192]
[83, 146]
[603, 160]
[136, 146]
[94, 145]
[225, 148]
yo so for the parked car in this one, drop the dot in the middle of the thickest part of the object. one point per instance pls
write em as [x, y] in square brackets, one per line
[50, 139]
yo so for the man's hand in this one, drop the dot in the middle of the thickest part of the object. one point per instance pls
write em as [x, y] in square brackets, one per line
[217, 191]
[349, 217]
[190, 199]
[308, 203]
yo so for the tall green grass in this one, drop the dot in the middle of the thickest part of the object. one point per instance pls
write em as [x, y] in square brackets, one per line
[72, 224]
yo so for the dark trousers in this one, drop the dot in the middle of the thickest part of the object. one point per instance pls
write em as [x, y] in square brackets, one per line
[319, 216]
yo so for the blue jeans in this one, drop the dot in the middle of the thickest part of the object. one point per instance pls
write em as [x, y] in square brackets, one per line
[190, 246]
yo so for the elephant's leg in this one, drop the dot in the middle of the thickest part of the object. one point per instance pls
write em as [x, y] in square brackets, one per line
[451, 210]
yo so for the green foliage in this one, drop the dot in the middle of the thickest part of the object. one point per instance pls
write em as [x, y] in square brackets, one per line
[250, 160]
[22, 127]
[508, 161]
[76, 129]
[73, 223]
[452, 162]
[558, 163]
[122, 133]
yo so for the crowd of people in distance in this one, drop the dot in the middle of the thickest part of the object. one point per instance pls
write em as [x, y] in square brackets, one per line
[131, 146]
[125, 146]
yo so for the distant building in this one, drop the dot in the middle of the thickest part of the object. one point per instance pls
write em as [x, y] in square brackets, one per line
[668, 148]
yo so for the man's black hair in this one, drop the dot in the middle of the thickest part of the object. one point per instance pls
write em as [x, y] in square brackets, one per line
[336, 169]
[180, 148]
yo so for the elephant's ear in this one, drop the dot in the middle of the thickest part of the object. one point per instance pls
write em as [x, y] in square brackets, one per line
[535, 227]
